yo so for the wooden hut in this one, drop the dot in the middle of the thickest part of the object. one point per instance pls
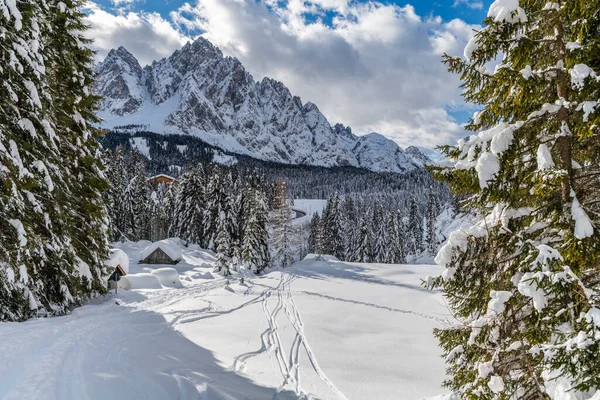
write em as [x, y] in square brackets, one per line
[161, 252]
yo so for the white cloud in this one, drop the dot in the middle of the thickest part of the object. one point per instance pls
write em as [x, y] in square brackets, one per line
[147, 35]
[473, 4]
[377, 67]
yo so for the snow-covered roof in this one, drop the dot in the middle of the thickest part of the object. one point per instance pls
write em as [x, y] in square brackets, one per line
[169, 247]
[152, 178]
[118, 257]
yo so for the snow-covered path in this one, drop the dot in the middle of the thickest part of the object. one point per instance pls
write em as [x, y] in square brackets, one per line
[320, 329]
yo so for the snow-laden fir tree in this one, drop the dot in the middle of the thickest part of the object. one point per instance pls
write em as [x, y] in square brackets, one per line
[137, 207]
[431, 217]
[216, 198]
[52, 214]
[365, 253]
[223, 243]
[189, 209]
[524, 282]
[414, 229]
[117, 176]
[380, 241]
[332, 228]
[394, 242]
[314, 234]
[255, 246]
[282, 227]
[350, 228]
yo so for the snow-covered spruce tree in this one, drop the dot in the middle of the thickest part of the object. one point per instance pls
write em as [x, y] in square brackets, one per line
[523, 282]
[380, 251]
[332, 228]
[282, 226]
[223, 244]
[215, 203]
[393, 244]
[313, 236]
[52, 216]
[255, 246]
[365, 252]
[189, 209]
[117, 176]
[415, 229]
[350, 228]
[430, 238]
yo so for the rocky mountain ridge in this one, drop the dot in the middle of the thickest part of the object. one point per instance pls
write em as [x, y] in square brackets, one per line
[200, 92]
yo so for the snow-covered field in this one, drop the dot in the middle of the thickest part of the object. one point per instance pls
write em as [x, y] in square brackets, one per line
[320, 329]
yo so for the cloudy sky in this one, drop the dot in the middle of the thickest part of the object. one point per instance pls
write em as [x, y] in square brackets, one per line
[372, 65]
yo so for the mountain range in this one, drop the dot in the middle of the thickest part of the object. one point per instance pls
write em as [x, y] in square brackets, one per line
[198, 91]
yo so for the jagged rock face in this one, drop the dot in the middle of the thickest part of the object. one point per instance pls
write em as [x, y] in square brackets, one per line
[200, 92]
[375, 150]
[417, 155]
[120, 83]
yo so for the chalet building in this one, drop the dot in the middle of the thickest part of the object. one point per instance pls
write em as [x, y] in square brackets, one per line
[161, 252]
[162, 178]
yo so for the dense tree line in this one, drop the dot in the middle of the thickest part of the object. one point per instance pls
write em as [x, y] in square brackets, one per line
[365, 231]
[210, 205]
[172, 153]
[52, 215]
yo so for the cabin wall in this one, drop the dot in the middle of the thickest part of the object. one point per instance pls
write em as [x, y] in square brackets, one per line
[158, 257]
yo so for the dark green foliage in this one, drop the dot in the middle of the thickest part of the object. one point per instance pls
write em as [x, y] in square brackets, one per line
[53, 216]
[523, 283]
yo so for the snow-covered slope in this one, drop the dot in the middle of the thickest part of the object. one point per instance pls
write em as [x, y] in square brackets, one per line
[199, 91]
[376, 151]
[320, 329]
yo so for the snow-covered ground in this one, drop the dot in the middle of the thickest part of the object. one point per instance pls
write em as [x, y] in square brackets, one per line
[320, 329]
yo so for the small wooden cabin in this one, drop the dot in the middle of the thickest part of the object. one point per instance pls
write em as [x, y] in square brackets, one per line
[162, 178]
[158, 256]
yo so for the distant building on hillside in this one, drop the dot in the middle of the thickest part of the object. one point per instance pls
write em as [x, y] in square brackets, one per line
[162, 178]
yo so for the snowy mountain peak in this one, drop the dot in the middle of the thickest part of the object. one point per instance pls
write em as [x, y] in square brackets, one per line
[120, 83]
[199, 91]
[417, 154]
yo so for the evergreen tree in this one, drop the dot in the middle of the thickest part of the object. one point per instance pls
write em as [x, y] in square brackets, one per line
[255, 246]
[393, 244]
[53, 216]
[380, 252]
[282, 225]
[332, 228]
[189, 210]
[431, 239]
[314, 234]
[223, 246]
[350, 223]
[215, 203]
[532, 173]
[415, 229]
[117, 176]
[400, 244]
[365, 253]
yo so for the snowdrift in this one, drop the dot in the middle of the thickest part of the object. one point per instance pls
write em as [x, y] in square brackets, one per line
[168, 277]
[140, 281]
[118, 257]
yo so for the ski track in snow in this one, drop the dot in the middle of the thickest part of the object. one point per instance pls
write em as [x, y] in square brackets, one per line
[271, 341]
[55, 363]
[363, 303]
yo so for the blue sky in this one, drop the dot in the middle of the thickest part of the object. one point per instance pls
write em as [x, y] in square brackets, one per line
[377, 69]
